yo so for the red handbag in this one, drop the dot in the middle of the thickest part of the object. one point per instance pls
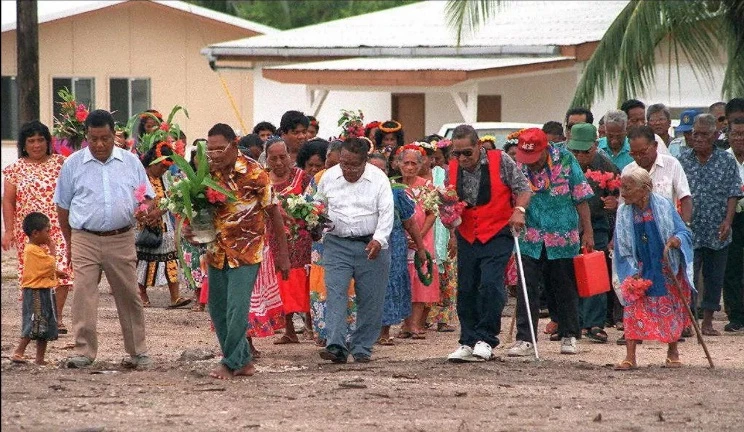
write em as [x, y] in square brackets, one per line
[592, 277]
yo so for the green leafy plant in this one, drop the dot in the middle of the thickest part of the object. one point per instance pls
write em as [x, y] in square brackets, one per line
[166, 131]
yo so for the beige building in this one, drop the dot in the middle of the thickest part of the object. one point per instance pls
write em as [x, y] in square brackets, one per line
[128, 56]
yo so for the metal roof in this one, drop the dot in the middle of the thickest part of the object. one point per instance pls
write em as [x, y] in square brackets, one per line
[55, 10]
[422, 29]
[417, 63]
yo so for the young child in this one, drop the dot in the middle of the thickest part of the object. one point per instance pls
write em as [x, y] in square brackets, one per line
[39, 319]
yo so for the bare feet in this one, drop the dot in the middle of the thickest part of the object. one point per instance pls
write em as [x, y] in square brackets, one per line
[41, 362]
[221, 372]
[247, 370]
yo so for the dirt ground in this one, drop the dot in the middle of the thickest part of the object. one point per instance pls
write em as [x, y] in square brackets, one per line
[407, 387]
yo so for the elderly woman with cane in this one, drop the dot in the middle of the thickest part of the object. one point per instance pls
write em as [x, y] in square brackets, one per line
[654, 263]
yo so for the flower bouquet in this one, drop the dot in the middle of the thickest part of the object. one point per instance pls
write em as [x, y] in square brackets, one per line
[194, 195]
[68, 133]
[450, 207]
[608, 181]
[308, 214]
[351, 124]
[166, 131]
[633, 288]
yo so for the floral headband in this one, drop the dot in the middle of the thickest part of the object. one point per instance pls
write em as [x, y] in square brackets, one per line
[396, 128]
[488, 138]
[159, 153]
[314, 123]
[152, 113]
[372, 125]
[513, 138]
[413, 146]
[431, 146]
[443, 143]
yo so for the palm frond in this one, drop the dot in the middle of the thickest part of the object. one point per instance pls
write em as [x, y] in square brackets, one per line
[733, 31]
[469, 15]
[627, 54]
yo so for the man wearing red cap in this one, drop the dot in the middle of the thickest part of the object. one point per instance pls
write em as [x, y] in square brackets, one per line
[486, 182]
[551, 236]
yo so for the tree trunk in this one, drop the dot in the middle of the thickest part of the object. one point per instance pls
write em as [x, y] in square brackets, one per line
[27, 36]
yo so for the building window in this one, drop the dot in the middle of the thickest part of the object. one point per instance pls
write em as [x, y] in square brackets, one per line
[9, 125]
[129, 96]
[83, 89]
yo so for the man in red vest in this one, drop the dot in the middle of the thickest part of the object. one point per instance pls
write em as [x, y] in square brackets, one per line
[488, 182]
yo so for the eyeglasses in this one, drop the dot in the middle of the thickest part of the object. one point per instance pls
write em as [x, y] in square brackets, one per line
[581, 152]
[640, 153]
[211, 154]
[457, 153]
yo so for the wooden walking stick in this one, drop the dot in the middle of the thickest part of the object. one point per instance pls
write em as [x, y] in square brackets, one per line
[679, 292]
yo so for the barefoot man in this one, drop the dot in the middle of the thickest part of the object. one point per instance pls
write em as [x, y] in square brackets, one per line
[234, 257]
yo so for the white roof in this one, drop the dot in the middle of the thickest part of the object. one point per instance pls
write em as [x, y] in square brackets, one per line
[418, 63]
[422, 29]
[54, 10]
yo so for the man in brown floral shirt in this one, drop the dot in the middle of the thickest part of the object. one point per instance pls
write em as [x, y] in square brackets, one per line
[236, 254]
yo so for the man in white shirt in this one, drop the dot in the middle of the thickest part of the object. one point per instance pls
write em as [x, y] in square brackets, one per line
[360, 205]
[666, 172]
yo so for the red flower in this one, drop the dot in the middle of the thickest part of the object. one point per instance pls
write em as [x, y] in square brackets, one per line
[214, 196]
[81, 114]
[164, 126]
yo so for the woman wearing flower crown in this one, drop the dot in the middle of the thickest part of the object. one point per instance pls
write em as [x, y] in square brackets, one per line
[410, 159]
[159, 266]
[440, 314]
[295, 292]
[652, 244]
[388, 139]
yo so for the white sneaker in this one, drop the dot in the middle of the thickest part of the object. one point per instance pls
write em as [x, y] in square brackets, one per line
[520, 349]
[568, 345]
[462, 355]
[483, 350]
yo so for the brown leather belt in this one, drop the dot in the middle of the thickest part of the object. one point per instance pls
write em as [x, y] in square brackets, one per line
[108, 233]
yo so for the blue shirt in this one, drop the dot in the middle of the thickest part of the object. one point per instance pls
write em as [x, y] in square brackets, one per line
[622, 158]
[98, 195]
[711, 185]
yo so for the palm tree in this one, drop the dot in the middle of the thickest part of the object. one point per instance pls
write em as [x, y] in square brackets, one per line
[626, 56]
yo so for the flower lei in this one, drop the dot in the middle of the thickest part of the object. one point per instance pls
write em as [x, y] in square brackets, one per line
[351, 124]
[532, 177]
[429, 276]
[431, 146]
[633, 288]
[159, 153]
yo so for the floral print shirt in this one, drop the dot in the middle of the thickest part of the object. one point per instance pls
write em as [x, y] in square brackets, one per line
[711, 184]
[241, 224]
[552, 220]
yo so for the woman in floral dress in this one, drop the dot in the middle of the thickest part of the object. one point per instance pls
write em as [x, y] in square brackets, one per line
[159, 266]
[29, 186]
[410, 158]
[295, 292]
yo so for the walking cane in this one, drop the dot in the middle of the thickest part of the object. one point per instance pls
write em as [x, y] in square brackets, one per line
[678, 288]
[524, 291]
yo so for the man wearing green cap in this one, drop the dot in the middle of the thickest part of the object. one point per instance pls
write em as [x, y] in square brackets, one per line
[602, 206]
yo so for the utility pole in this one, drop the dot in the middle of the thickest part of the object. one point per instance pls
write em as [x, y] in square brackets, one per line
[27, 42]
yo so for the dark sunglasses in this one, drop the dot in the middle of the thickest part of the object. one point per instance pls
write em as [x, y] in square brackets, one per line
[458, 153]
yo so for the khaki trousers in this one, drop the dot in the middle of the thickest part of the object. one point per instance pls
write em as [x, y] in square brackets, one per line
[116, 256]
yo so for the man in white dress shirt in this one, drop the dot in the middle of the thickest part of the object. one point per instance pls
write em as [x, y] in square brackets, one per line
[360, 205]
[669, 178]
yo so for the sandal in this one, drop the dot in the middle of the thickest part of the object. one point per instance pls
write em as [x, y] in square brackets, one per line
[672, 364]
[419, 335]
[445, 328]
[18, 359]
[596, 334]
[61, 328]
[404, 334]
[625, 365]
[181, 301]
[385, 341]
[284, 340]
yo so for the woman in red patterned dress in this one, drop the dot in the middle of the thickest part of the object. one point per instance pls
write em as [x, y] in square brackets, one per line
[29, 186]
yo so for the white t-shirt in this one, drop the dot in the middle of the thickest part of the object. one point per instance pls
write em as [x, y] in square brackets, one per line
[670, 180]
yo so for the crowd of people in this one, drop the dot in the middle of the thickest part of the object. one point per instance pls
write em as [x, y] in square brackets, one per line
[667, 213]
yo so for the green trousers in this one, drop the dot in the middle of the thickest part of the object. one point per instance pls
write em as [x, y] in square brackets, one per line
[230, 292]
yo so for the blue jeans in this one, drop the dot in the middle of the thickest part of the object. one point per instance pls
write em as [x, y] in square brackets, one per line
[480, 287]
[712, 263]
[343, 260]
[230, 292]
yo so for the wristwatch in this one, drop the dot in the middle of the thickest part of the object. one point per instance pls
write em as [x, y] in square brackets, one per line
[688, 224]
[521, 209]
